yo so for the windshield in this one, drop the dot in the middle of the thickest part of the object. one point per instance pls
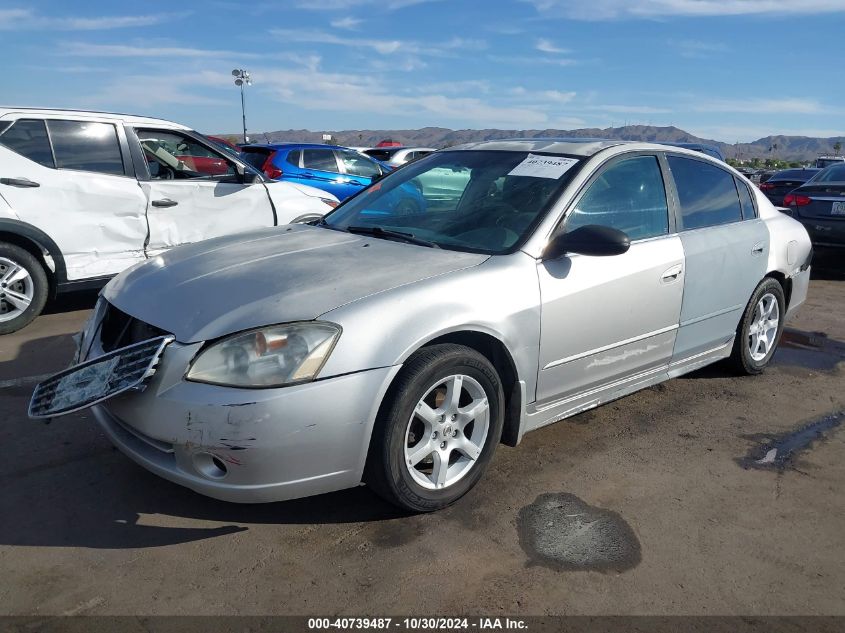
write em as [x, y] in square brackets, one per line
[477, 201]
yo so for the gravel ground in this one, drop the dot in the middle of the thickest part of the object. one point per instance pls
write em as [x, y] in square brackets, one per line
[653, 504]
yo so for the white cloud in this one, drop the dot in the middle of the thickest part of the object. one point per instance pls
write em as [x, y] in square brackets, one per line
[547, 46]
[149, 91]
[746, 134]
[348, 23]
[381, 46]
[83, 49]
[627, 109]
[524, 60]
[611, 9]
[698, 49]
[340, 5]
[784, 105]
[26, 19]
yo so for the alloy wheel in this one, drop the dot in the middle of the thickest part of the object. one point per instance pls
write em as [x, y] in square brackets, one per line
[447, 432]
[16, 289]
[764, 327]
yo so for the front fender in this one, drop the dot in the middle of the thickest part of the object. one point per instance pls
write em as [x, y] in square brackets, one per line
[500, 298]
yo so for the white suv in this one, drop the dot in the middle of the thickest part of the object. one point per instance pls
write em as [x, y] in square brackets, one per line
[84, 195]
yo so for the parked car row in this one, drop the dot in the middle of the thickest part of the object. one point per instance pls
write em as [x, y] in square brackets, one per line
[84, 195]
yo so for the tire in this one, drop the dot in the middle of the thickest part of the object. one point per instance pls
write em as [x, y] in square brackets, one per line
[29, 285]
[754, 347]
[460, 447]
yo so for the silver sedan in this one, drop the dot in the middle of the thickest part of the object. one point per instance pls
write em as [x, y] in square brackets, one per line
[399, 349]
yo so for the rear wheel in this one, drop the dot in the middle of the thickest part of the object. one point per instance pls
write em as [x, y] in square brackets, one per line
[23, 288]
[759, 330]
[437, 429]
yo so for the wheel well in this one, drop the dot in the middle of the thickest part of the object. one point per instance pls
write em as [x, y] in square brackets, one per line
[496, 352]
[785, 283]
[35, 250]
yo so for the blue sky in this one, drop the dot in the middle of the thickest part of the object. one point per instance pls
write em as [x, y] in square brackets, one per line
[733, 70]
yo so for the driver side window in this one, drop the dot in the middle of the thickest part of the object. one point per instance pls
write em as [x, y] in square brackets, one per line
[175, 156]
[629, 196]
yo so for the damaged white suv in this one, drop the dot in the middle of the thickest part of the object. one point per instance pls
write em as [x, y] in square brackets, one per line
[84, 195]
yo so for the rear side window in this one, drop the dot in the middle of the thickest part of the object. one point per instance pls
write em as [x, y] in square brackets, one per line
[319, 159]
[629, 196]
[707, 193]
[748, 210]
[358, 165]
[86, 146]
[294, 156]
[28, 137]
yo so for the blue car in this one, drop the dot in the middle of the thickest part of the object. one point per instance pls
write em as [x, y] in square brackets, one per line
[339, 170]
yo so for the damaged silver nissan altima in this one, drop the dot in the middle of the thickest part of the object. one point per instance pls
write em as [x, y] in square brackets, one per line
[398, 348]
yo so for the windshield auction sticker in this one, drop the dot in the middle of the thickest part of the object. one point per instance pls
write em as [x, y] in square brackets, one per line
[543, 166]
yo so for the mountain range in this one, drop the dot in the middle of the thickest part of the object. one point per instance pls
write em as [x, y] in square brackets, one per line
[793, 148]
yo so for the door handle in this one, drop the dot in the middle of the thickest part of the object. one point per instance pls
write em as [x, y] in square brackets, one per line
[164, 202]
[758, 248]
[19, 182]
[672, 274]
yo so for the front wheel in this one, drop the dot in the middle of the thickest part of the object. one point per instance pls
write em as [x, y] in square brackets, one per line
[23, 288]
[437, 429]
[759, 331]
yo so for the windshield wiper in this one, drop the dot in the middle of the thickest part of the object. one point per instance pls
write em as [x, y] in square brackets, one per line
[378, 231]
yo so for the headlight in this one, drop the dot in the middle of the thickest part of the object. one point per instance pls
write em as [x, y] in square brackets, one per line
[272, 356]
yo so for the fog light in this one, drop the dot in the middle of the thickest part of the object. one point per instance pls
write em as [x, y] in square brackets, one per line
[210, 465]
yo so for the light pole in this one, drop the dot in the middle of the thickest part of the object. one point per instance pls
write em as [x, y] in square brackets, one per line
[242, 77]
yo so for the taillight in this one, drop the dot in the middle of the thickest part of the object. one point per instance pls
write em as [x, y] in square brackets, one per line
[766, 186]
[796, 199]
[270, 170]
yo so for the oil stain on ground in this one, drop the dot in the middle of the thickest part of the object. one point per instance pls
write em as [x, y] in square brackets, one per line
[562, 532]
[778, 452]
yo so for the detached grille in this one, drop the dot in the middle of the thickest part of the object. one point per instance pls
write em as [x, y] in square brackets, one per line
[118, 329]
[96, 380]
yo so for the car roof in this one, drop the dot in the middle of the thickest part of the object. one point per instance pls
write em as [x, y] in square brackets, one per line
[293, 146]
[132, 119]
[572, 146]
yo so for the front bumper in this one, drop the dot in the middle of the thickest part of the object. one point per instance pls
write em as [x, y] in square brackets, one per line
[248, 445]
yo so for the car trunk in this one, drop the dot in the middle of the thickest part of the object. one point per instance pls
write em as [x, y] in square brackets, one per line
[827, 201]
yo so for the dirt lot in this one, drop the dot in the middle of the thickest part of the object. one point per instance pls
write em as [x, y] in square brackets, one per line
[653, 504]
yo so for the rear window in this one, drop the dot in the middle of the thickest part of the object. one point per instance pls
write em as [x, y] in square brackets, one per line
[319, 160]
[835, 173]
[28, 137]
[255, 156]
[794, 174]
[86, 146]
[707, 194]
[748, 209]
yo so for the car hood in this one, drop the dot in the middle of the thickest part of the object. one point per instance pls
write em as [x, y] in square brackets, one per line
[288, 273]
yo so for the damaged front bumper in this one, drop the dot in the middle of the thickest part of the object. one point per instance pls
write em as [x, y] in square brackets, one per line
[247, 445]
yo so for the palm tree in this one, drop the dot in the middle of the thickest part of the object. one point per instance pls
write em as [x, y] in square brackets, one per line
[837, 147]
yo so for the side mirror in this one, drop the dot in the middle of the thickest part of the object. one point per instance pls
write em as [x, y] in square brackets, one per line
[246, 177]
[592, 239]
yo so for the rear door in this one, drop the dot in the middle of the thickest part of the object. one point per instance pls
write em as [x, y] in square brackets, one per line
[358, 169]
[186, 202]
[726, 247]
[73, 179]
[320, 168]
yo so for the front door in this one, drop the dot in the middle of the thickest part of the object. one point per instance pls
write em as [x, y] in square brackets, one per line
[194, 192]
[74, 185]
[612, 319]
